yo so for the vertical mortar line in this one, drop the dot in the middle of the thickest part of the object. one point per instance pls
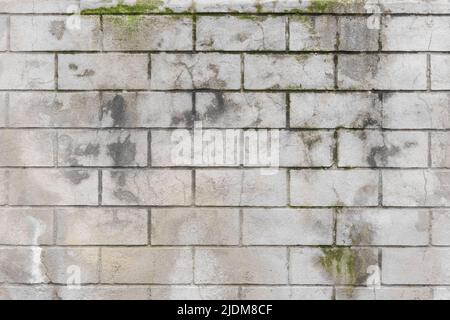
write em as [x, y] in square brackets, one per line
[239, 293]
[380, 33]
[102, 34]
[242, 72]
[380, 187]
[287, 33]
[56, 72]
[194, 118]
[380, 263]
[194, 32]
[335, 164]
[430, 162]
[100, 109]
[288, 187]
[428, 71]
[149, 226]
[335, 218]
[288, 110]
[337, 45]
[100, 187]
[149, 67]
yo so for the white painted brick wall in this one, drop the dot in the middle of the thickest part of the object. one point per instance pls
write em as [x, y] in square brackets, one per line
[92, 108]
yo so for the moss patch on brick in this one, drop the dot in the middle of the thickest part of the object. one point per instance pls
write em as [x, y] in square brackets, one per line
[140, 7]
[340, 263]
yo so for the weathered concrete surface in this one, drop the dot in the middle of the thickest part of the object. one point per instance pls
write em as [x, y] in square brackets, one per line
[256, 149]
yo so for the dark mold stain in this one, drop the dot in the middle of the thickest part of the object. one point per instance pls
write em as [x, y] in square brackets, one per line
[73, 67]
[57, 29]
[122, 153]
[76, 176]
[116, 109]
[185, 117]
[86, 73]
[216, 109]
[125, 195]
[380, 155]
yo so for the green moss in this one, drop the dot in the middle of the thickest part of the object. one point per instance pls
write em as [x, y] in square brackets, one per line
[340, 263]
[321, 6]
[141, 6]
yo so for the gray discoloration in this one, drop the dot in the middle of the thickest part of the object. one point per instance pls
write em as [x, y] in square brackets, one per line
[217, 109]
[379, 155]
[76, 176]
[86, 73]
[116, 109]
[122, 152]
[57, 29]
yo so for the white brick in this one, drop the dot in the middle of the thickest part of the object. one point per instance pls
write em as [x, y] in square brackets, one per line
[241, 110]
[312, 33]
[240, 188]
[165, 6]
[194, 292]
[146, 265]
[3, 187]
[40, 6]
[26, 226]
[334, 188]
[355, 35]
[27, 71]
[195, 71]
[147, 109]
[416, 110]
[103, 71]
[42, 109]
[416, 33]
[288, 71]
[53, 187]
[101, 227]
[331, 265]
[385, 293]
[286, 293]
[287, 227]
[333, 110]
[147, 187]
[440, 149]
[383, 149]
[123, 148]
[416, 188]
[235, 33]
[147, 33]
[237, 265]
[392, 227]
[440, 227]
[26, 292]
[382, 72]
[3, 33]
[306, 148]
[195, 226]
[27, 147]
[43, 265]
[54, 33]
[4, 103]
[96, 292]
[440, 72]
[416, 266]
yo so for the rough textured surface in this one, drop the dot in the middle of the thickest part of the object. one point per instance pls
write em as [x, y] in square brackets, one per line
[232, 149]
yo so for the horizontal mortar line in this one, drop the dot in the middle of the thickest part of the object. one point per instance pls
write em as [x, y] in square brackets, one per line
[235, 52]
[325, 168]
[291, 129]
[189, 206]
[210, 90]
[341, 210]
[212, 246]
[233, 13]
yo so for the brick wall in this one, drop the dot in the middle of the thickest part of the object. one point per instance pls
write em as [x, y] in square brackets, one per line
[95, 204]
